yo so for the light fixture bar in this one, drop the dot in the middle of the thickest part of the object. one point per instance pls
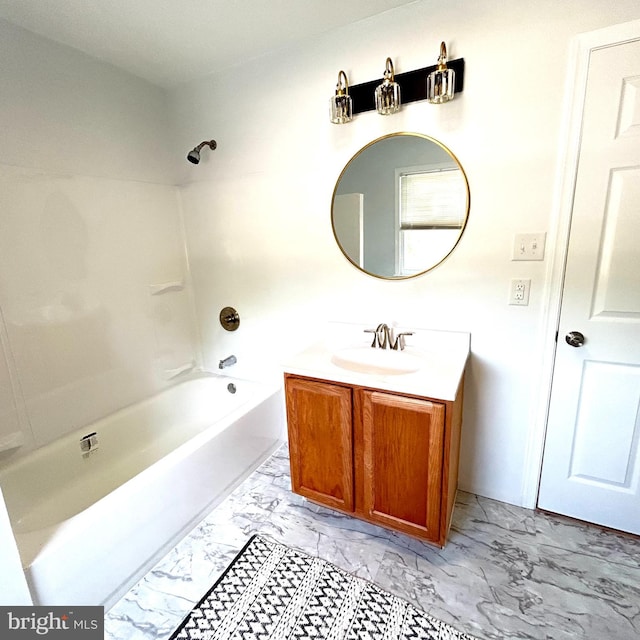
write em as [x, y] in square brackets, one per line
[412, 85]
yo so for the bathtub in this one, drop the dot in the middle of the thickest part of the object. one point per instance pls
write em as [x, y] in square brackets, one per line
[91, 519]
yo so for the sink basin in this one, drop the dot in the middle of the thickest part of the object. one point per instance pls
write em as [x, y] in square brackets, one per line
[376, 361]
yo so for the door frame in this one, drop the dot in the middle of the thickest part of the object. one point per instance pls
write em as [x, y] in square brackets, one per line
[559, 230]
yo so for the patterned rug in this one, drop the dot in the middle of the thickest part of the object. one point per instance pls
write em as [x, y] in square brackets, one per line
[271, 592]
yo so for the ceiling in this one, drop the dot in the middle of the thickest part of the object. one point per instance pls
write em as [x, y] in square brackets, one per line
[172, 41]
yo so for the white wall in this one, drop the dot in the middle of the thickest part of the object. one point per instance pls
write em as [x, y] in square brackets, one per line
[89, 219]
[257, 209]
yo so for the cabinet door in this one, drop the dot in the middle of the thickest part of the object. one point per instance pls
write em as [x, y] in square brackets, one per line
[319, 418]
[403, 443]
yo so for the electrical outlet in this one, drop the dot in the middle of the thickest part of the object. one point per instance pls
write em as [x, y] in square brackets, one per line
[529, 246]
[519, 292]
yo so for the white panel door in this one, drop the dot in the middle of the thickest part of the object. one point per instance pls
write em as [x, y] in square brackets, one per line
[591, 463]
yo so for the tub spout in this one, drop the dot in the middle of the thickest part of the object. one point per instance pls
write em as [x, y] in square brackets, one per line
[227, 362]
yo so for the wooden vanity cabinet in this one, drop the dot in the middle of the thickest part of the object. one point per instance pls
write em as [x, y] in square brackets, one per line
[403, 445]
[319, 417]
[384, 457]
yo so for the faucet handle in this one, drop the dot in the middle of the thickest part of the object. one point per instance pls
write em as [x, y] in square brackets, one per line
[374, 344]
[399, 343]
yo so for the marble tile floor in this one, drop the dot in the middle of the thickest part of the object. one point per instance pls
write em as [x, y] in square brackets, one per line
[506, 572]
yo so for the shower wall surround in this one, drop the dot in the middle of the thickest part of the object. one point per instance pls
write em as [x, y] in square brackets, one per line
[90, 224]
[77, 257]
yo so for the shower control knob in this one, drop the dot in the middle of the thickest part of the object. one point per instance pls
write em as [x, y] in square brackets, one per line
[574, 339]
[229, 319]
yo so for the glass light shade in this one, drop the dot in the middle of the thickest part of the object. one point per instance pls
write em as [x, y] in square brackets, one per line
[388, 93]
[387, 98]
[341, 105]
[441, 82]
[341, 109]
[440, 85]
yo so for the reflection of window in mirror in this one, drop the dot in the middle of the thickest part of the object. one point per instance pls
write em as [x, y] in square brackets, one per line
[431, 212]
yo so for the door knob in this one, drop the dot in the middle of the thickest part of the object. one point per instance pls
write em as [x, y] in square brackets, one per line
[575, 339]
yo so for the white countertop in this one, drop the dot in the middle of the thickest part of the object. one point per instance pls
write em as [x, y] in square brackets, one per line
[444, 354]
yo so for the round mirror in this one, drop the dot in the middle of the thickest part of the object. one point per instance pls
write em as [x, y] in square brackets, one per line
[400, 206]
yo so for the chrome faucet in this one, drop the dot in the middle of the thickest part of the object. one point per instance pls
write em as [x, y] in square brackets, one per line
[227, 362]
[383, 338]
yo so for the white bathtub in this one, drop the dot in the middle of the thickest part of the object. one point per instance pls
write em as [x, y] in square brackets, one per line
[88, 526]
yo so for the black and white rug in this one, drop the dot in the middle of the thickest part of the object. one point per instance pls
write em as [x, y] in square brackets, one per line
[272, 592]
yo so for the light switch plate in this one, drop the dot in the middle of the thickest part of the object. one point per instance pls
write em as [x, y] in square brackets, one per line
[528, 246]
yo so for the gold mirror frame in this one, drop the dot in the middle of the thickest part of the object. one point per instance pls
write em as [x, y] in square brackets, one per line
[358, 157]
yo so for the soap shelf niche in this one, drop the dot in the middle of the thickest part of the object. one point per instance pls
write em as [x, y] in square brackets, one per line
[166, 287]
[413, 86]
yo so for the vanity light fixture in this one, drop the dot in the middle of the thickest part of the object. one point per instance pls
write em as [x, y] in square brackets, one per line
[441, 82]
[388, 93]
[341, 104]
[412, 84]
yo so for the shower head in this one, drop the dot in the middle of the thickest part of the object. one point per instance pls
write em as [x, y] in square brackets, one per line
[194, 154]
